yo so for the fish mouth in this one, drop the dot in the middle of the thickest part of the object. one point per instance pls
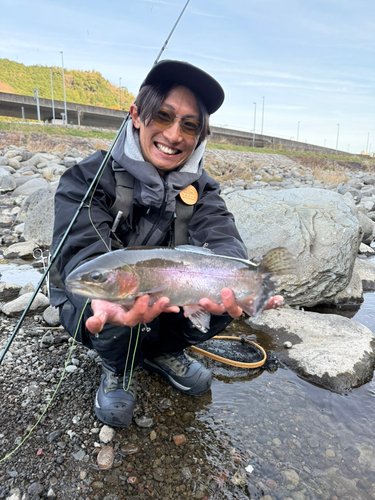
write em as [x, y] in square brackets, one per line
[80, 288]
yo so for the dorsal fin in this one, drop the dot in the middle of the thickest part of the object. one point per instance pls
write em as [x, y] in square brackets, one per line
[278, 261]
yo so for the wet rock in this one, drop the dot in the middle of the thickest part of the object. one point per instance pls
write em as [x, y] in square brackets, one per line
[105, 458]
[238, 479]
[291, 477]
[320, 346]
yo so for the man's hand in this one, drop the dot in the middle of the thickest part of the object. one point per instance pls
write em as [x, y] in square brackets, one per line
[107, 312]
[229, 304]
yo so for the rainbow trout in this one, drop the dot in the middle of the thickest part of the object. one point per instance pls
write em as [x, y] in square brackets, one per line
[184, 274]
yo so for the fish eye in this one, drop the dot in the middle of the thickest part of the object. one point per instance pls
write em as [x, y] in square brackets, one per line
[96, 277]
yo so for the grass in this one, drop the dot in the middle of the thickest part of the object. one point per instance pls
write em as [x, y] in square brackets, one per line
[53, 130]
[286, 152]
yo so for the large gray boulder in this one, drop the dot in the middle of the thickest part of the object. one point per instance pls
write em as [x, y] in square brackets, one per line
[30, 187]
[23, 250]
[319, 227]
[39, 224]
[32, 201]
[321, 343]
[7, 183]
[17, 306]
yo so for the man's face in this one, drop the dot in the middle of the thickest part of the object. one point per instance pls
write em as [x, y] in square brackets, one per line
[168, 148]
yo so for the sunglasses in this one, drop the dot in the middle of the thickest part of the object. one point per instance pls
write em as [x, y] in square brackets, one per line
[189, 126]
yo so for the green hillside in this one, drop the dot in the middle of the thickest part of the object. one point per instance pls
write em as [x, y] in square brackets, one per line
[81, 87]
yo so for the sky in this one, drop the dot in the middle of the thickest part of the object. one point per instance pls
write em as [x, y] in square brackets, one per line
[301, 70]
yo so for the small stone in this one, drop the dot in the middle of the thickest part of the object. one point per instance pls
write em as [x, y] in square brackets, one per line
[83, 474]
[249, 469]
[53, 435]
[330, 453]
[51, 493]
[130, 449]
[288, 344]
[97, 485]
[35, 489]
[80, 455]
[106, 434]
[239, 479]
[105, 458]
[144, 421]
[133, 480]
[153, 435]
[179, 440]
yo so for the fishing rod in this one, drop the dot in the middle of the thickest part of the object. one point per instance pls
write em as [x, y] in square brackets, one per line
[90, 188]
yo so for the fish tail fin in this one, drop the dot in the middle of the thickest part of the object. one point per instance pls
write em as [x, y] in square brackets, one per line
[253, 304]
[278, 261]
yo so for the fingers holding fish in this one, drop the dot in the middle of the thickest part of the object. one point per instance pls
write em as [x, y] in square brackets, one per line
[115, 314]
[274, 302]
[228, 304]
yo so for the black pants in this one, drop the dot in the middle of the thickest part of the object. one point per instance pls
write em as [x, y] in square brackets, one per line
[121, 345]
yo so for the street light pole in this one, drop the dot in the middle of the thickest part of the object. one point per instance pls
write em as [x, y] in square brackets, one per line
[255, 117]
[53, 104]
[65, 112]
[368, 138]
[262, 116]
[120, 93]
[337, 140]
[298, 130]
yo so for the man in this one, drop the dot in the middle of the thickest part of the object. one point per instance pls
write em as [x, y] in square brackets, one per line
[161, 151]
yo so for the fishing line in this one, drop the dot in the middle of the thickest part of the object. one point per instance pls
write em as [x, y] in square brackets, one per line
[55, 391]
[89, 190]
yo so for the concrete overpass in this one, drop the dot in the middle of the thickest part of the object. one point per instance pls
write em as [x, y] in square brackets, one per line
[78, 114]
[93, 116]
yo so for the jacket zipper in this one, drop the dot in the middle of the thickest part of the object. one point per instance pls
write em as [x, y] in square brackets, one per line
[160, 216]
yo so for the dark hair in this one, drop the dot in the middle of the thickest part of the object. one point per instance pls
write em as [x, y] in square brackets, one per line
[150, 99]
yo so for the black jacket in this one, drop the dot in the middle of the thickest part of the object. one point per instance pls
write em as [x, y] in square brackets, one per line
[90, 236]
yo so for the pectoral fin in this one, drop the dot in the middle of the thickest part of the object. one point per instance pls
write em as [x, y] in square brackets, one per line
[198, 316]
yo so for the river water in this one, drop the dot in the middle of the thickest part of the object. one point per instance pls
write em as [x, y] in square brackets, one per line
[274, 435]
[293, 439]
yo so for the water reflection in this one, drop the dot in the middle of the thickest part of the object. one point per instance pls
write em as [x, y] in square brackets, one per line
[19, 272]
[301, 441]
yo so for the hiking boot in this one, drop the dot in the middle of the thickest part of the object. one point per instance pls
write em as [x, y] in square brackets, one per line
[115, 401]
[184, 373]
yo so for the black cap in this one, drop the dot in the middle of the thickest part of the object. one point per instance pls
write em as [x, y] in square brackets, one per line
[197, 80]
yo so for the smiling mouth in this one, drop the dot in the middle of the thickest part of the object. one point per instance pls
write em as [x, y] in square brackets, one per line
[166, 150]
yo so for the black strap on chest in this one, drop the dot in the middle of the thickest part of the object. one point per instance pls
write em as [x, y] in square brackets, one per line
[124, 197]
